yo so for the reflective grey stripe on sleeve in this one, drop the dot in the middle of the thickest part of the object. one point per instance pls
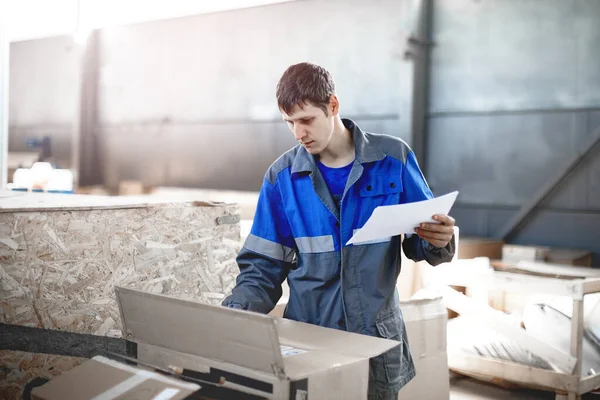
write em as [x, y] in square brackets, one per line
[269, 249]
[315, 244]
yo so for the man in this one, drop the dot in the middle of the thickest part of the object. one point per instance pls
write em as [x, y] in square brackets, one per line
[313, 199]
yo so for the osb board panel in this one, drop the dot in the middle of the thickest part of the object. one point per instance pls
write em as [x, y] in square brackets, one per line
[58, 269]
[246, 200]
[12, 201]
[19, 368]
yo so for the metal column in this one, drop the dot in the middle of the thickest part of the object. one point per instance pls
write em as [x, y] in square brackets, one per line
[420, 47]
[4, 79]
[89, 144]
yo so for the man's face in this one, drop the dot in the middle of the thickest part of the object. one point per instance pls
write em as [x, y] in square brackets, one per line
[310, 126]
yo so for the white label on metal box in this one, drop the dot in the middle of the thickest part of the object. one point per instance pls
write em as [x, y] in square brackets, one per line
[290, 351]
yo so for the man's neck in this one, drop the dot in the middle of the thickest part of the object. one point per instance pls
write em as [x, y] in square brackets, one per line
[340, 151]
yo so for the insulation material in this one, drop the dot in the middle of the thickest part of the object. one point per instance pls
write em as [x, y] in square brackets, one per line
[470, 336]
[59, 264]
[547, 323]
[564, 305]
[541, 321]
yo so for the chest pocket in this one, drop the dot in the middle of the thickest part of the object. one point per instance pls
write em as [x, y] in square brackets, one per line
[380, 185]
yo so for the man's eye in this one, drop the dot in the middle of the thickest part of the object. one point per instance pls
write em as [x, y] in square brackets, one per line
[307, 121]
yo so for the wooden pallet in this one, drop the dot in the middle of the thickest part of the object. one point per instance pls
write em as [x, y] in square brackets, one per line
[566, 380]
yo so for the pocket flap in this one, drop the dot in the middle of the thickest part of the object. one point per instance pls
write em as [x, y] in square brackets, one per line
[389, 326]
[379, 185]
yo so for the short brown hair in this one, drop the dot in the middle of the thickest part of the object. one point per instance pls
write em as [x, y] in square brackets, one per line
[305, 83]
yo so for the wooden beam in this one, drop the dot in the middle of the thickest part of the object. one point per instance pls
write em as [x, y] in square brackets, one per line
[577, 334]
[523, 375]
[499, 321]
[576, 342]
[589, 383]
[591, 285]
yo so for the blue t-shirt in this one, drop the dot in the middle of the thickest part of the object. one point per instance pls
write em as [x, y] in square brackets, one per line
[336, 179]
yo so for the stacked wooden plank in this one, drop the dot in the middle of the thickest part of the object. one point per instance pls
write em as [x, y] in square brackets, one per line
[62, 255]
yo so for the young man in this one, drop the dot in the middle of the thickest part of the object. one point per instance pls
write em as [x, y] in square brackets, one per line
[313, 199]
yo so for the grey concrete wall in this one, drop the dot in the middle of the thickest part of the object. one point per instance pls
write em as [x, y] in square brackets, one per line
[44, 75]
[196, 96]
[515, 90]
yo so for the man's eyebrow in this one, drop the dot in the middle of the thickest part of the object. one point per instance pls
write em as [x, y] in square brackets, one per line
[297, 118]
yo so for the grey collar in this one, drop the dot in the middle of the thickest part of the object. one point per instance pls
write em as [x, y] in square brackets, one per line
[366, 150]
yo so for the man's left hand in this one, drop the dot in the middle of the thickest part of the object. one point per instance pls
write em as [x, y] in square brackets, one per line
[440, 234]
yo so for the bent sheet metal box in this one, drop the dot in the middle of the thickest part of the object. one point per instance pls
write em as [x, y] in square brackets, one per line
[274, 358]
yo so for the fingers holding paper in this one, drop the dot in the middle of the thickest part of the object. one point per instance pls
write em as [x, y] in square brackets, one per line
[438, 234]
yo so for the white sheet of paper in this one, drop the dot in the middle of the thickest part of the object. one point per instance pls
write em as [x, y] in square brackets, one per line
[394, 220]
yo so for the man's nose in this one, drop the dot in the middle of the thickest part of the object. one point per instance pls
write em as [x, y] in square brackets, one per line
[299, 133]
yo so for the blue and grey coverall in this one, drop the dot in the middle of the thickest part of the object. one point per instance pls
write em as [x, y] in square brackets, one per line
[298, 233]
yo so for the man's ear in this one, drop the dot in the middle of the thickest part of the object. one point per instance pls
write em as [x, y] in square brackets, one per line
[334, 105]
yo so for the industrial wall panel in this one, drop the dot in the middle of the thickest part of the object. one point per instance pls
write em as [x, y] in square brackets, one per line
[217, 156]
[226, 65]
[135, 153]
[44, 81]
[214, 86]
[593, 181]
[43, 94]
[504, 159]
[213, 77]
[515, 54]
[581, 189]
[593, 120]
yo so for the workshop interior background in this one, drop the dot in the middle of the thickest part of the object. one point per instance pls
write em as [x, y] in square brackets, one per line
[499, 99]
[512, 96]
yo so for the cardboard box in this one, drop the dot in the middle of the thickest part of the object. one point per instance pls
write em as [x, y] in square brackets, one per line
[128, 188]
[254, 353]
[279, 309]
[480, 247]
[103, 378]
[516, 253]
[552, 255]
[426, 321]
[580, 258]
